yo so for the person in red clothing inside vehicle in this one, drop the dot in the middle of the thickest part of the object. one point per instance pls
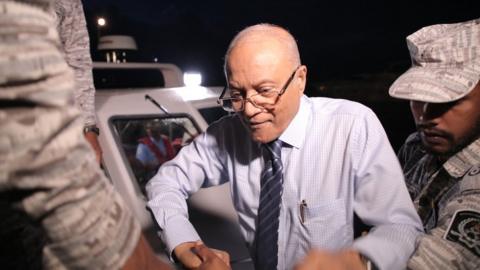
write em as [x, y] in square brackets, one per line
[155, 148]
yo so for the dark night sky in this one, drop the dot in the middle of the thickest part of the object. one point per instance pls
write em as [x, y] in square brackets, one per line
[336, 38]
[353, 49]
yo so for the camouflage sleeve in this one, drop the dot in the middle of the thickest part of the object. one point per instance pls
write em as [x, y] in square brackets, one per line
[409, 155]
[455, 242]
[44, 158]
[407, 150]
[74, 37]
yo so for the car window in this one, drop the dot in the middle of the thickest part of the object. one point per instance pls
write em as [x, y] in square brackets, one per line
[148, 142]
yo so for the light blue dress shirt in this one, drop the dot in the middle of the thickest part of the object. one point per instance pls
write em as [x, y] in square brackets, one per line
[337, 159]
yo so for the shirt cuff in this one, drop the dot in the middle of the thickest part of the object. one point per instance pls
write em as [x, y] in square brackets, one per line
[388, 247]
[178, 230]
[366, 255]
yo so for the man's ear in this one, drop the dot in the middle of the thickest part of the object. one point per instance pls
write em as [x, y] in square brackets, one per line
[301, 78]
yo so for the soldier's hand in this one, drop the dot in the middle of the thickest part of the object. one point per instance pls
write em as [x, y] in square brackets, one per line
[92, 139]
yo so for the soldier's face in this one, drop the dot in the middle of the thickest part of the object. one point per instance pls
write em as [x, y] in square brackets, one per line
[446, 128]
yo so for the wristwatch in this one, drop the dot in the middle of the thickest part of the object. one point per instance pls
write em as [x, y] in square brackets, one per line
[91, 128]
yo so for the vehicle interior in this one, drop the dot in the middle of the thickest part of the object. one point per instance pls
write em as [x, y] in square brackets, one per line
[178, 130]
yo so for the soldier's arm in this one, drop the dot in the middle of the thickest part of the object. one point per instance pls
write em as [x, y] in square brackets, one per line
[72, 29]
[454, 243]
[144, 258]
[75, 41]
[47, 170]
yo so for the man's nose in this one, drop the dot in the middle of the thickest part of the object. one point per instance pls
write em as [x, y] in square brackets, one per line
[424, 111]
[419, 109]
[250, 108]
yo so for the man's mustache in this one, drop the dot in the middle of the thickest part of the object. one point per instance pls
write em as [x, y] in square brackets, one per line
[429, 129]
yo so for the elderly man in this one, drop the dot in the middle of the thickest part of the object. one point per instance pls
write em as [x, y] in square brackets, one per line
[298, 168]
[441, 161]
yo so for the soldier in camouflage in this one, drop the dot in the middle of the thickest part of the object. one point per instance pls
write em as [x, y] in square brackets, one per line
[44, 159]
[47, 170]
[441, 161]
[75, 42]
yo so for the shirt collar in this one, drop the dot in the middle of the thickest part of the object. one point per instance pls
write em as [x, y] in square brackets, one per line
[294, 135]
[461, 162]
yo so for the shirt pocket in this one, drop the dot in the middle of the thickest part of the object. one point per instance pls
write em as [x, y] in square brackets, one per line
[324, 225]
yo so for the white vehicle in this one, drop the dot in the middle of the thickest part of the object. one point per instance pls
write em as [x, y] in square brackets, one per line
[123, 113]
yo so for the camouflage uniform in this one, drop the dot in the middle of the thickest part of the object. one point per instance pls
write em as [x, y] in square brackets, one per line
[445, 68]
[73, 33]
[452, 239]
[47, 170]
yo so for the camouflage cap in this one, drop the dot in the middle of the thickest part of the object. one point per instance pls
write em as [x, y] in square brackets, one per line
[445, 63]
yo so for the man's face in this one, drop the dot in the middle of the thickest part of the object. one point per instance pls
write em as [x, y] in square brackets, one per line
[253, 68]
[154, 132]
[445, 128]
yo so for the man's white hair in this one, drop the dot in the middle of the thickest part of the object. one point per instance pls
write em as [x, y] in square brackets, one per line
[265, 31]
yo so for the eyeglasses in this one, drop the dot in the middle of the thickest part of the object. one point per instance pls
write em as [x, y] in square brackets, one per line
[264, 99]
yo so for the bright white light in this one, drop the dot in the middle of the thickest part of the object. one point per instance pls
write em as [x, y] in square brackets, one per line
[101, 21]
[193, 93]
[192, 79]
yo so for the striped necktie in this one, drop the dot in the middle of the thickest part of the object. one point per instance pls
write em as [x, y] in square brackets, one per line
[269, 209]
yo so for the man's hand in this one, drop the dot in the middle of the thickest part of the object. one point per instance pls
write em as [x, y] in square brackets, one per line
[190, 260]
[323, 260]
[92, 139]
[186, 256]
[211, 259]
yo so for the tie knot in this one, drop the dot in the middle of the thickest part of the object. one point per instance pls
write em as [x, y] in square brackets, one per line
[275, 148]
